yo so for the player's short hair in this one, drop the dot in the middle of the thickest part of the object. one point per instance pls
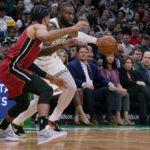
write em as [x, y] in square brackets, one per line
[62, 5]
[38, 12]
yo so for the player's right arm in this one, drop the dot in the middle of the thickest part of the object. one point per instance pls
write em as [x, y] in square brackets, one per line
[52, 35]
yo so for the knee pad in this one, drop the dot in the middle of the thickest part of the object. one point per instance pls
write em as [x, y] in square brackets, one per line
[18, 108]
[24, 106]
[45, 95]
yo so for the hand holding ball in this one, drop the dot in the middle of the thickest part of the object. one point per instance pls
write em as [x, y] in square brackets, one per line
[107, 45]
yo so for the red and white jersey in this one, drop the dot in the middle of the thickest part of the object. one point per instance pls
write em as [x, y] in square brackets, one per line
[14, 71]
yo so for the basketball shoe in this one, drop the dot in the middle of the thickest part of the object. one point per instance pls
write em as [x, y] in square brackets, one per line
[7, 135]
[48, 134]
[55, 126]
[17, 130]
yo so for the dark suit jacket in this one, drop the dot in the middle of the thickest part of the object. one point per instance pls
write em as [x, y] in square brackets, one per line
[124, 80]
[131, 85]
[78, 74]
[141, 74]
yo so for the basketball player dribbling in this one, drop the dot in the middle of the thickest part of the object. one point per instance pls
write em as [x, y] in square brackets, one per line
[52, 64]
[16, 72]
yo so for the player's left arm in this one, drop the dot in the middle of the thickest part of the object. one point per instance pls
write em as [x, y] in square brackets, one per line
[48, 50]
[57, 81]
[37, 70]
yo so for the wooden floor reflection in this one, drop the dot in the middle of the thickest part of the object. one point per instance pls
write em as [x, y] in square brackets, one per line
[86, 140]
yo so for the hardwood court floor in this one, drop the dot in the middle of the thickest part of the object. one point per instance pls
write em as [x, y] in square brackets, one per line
[88, 139]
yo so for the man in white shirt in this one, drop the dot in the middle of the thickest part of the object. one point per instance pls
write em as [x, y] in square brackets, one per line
[87, 77]
[126, 45]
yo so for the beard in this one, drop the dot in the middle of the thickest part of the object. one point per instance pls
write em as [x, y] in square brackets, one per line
[65, 22]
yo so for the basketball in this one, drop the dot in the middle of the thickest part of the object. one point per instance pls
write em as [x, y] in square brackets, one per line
[107, 45]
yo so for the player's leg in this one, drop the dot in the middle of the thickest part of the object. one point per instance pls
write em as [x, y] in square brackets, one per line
[40, 87]
[17, 124]
[66, 97]
[29, 112]
[21, 105]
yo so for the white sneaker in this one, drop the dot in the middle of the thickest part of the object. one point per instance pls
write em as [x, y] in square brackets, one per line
[11, 132]
[5, 134]
[48, 134]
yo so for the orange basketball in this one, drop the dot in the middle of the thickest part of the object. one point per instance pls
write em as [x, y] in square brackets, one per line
[107, 45]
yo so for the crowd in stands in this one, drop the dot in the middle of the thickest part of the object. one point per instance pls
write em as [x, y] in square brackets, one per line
[112, 81]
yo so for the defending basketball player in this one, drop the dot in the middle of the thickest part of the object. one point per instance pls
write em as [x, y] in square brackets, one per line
[52, 64]
[16, 72]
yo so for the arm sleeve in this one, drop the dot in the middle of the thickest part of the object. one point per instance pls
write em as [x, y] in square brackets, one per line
[37, 70]
[84, 38]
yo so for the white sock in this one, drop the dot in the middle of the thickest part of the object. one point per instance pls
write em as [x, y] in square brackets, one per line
[32, 109]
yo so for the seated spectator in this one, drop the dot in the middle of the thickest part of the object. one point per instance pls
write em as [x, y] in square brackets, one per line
[73, 52]
[87, 4]
[91, 55]
[144, 44]
[92, 18]
[128, 12]
[11, 39]
[119, 55]
[140, 10]
[126, 45]
[9, 24]
[24, 21]
[120, 18]
[53, 10]
[28, 4]
[111, 25]
[142, 73]
[75, 4]
[120, 94]
[146, 23]
[119, 36]
[134, 38]
[114, 10]
[86, 76]
[128, 28]
[63, 56]
[136, 88]
[4, 50]
[80, 12]
[18, 10]
[80, 115]
[106, 13]
[137, 57]
[3, 19]
[102, 26]
[136, 18]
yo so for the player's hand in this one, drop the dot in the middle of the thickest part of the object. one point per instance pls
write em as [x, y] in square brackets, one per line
[80, 25]
[59, 82]
[70, 42]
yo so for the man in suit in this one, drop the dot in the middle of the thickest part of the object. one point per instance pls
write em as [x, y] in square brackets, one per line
[86, 76]
[142, 73]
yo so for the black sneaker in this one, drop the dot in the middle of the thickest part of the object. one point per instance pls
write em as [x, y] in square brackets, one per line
[18, 130]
